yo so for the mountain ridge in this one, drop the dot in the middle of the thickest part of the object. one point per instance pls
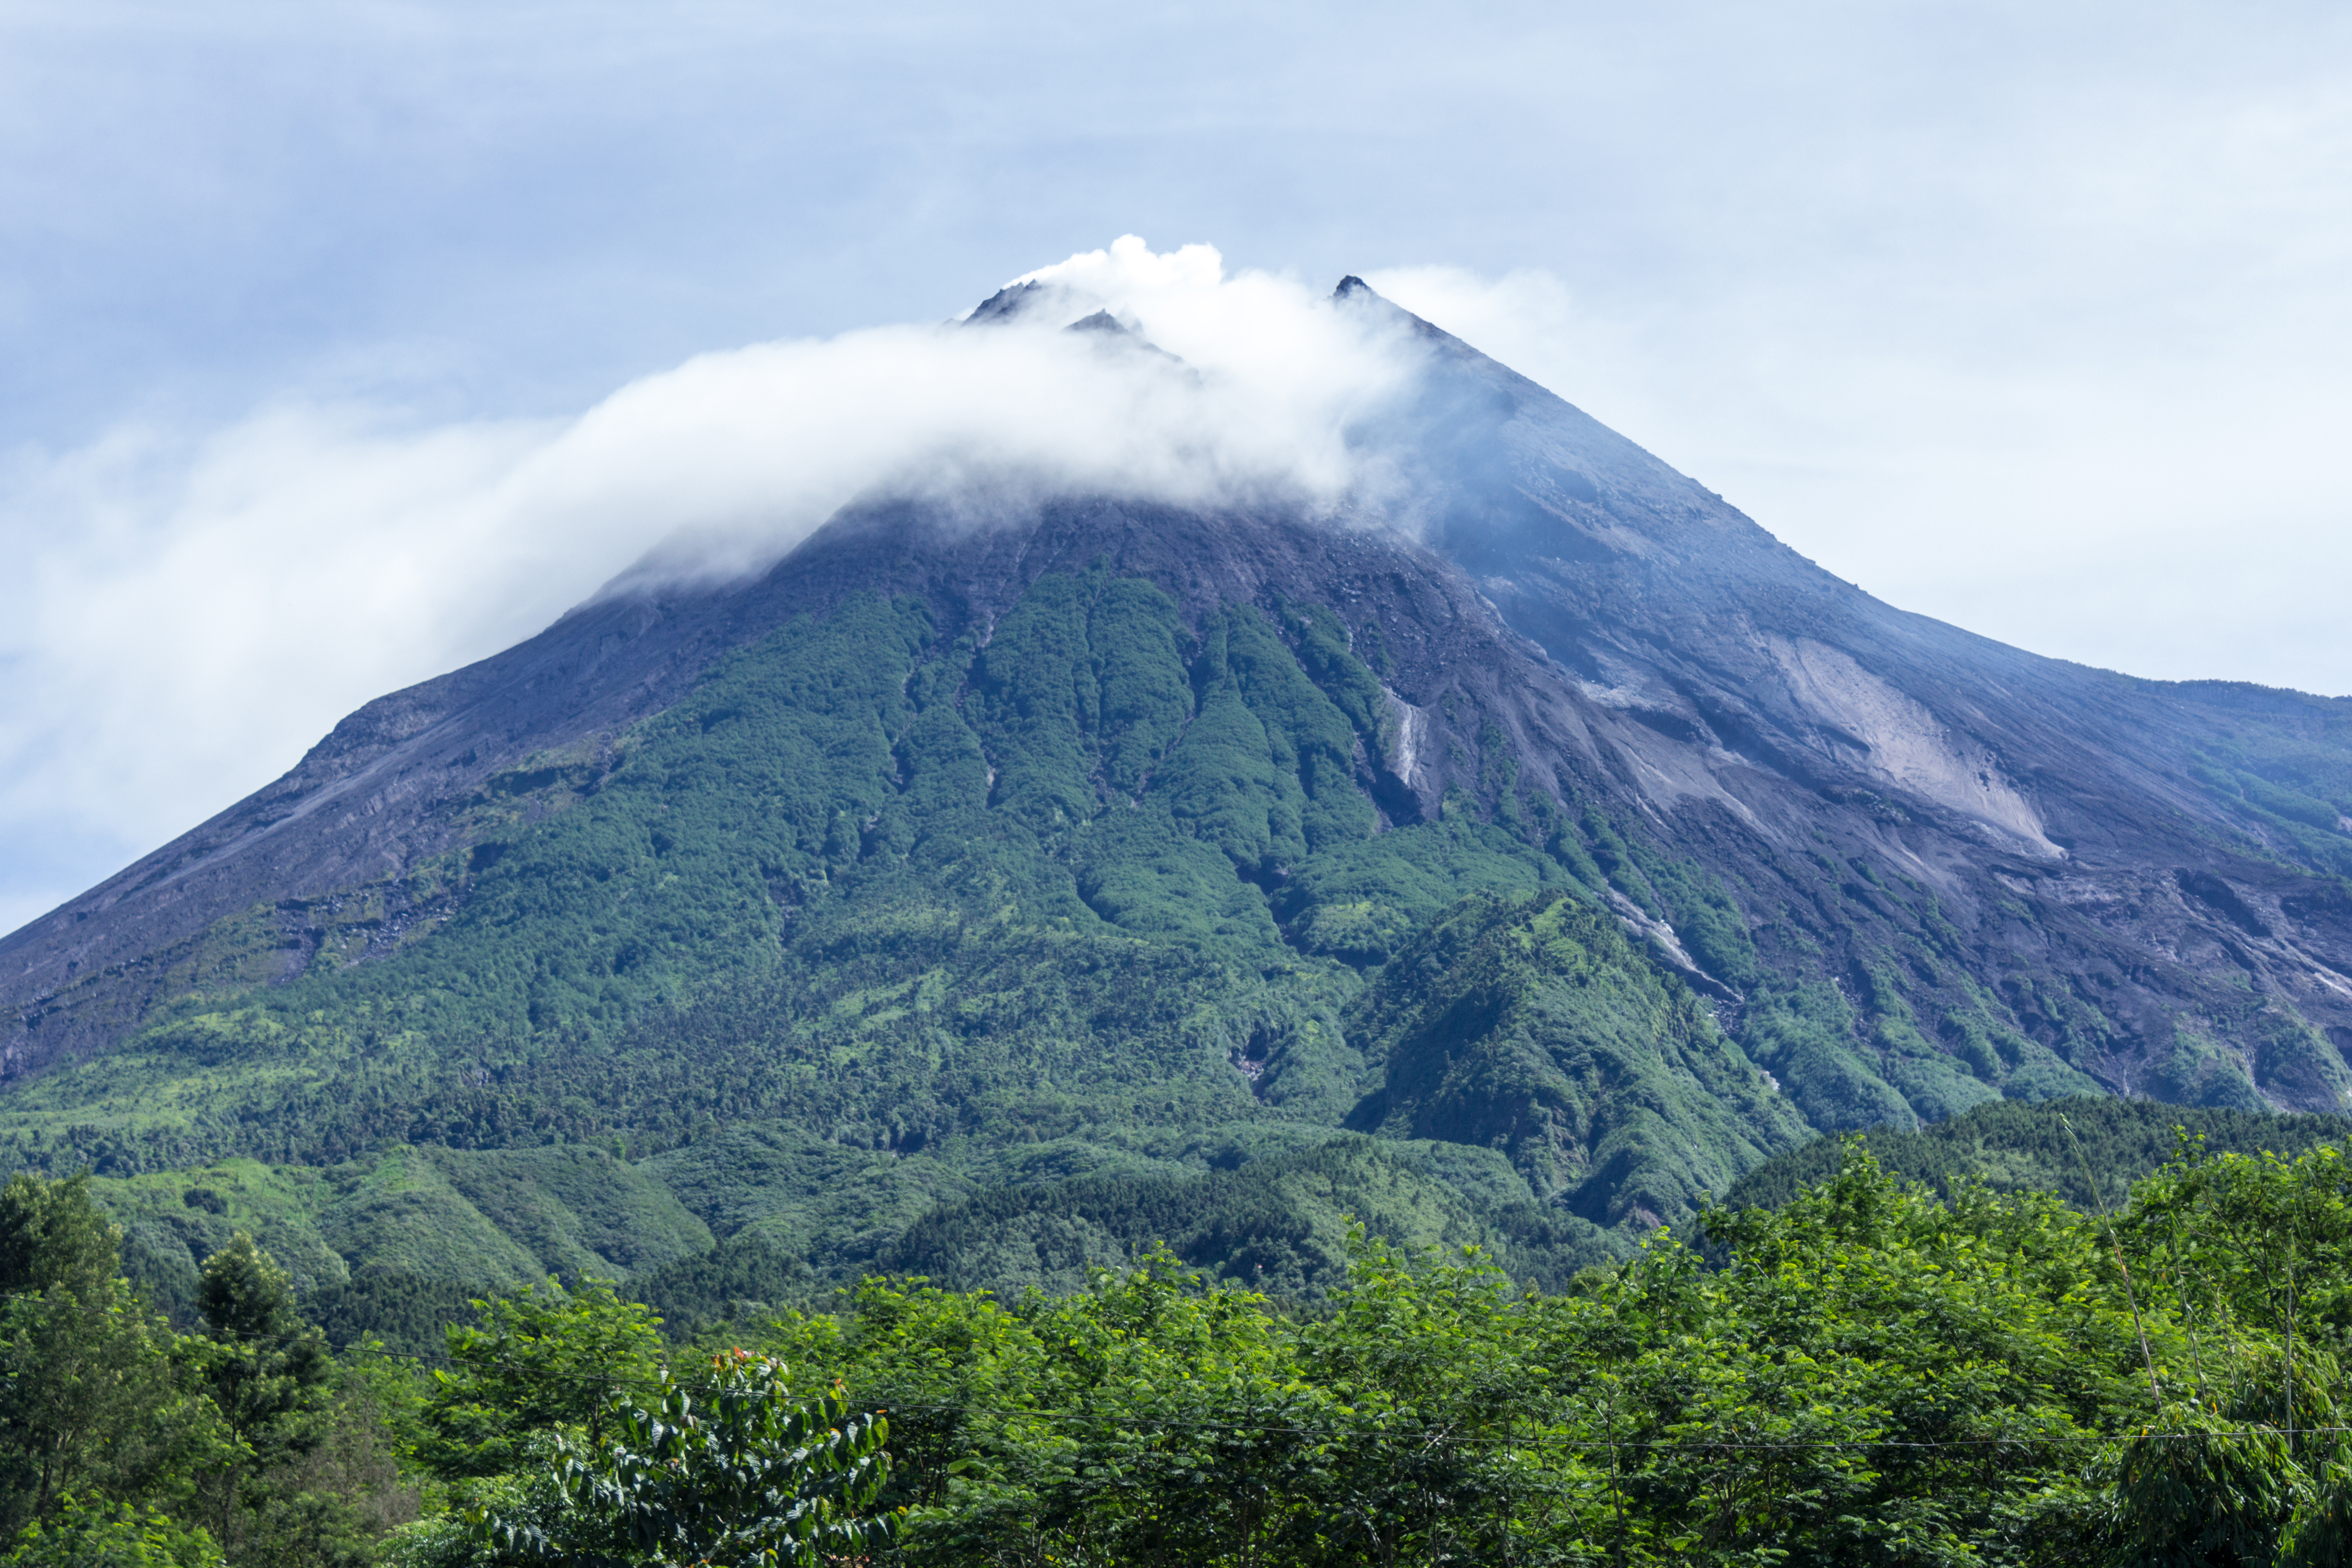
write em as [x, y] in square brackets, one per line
[1124, 862]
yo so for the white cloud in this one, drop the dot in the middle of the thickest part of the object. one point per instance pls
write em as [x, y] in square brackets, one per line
[188, 611]
[194, 610]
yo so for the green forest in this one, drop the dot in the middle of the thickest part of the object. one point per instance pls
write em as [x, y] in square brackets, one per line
[1875, 1370]
[1073, 918]
[1041, 1096]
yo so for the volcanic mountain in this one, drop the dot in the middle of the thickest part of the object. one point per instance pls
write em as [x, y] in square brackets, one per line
[989, 895]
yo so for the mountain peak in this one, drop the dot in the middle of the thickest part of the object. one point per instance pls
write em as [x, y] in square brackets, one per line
[983, 825]
[1007, 304]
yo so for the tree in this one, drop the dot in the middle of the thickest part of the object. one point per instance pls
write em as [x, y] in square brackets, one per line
[540, 1359]
[112, 1535]
[2255, 1254]
[744, 1472]
[52, 1234]
[87, 1398]
[268, 1371]
[272, 1381]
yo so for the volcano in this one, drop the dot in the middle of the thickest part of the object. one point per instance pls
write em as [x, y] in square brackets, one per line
[991, 897]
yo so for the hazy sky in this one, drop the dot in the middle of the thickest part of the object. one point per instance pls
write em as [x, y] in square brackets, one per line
[2035, 318]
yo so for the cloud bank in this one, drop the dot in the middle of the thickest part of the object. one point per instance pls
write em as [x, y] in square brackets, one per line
[193, 611]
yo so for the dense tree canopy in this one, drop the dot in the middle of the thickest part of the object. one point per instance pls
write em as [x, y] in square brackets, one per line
[1876, 1372]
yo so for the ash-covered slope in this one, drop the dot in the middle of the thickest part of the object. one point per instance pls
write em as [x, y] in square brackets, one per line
[1095, 836]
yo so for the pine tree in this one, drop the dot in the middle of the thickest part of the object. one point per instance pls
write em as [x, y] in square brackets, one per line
[270, 1377]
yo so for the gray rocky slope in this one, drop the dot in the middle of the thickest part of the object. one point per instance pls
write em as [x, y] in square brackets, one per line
[1963, 868]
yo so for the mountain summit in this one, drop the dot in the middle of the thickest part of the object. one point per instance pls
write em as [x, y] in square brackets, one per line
[989, 888]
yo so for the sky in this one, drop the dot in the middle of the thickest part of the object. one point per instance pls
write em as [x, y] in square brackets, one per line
[320, 324]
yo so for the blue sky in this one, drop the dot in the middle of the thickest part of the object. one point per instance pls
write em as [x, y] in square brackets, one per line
[2033, 317]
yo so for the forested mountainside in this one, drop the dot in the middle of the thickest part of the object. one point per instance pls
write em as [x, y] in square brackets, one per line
[1523, 875]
